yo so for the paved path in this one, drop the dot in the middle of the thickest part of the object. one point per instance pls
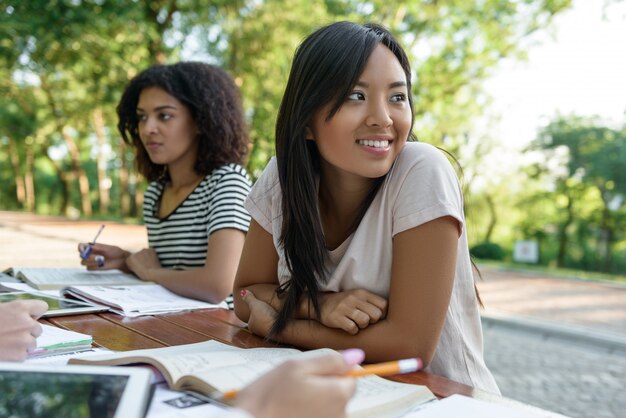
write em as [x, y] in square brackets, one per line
[555, 343]
[573, 380]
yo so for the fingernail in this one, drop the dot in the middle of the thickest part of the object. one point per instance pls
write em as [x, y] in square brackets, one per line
[243, 293]
[99, 260]
[353, 355]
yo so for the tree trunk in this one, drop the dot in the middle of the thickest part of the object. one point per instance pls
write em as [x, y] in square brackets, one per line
[162, 22]
[79, 173]
[103, 181]
[29, 179]
[606, 236]
[58, 126]
[64, 180]
[20, 186]
[493, 218]
[124, 184]
[608, 259]
[563, 240]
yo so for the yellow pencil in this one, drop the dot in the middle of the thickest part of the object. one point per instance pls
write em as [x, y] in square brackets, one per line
[388, 368]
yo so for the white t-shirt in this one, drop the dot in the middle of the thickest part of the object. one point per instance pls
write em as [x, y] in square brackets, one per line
[420, 187]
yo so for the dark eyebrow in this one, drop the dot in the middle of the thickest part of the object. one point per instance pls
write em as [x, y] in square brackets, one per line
[392, 85]
[159, 108]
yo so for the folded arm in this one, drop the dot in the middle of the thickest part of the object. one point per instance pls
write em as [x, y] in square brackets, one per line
[424, 260]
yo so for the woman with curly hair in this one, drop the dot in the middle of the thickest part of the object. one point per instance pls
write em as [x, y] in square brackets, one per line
[186, 124]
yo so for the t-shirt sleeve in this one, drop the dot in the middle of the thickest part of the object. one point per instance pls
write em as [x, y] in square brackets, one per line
[264, 194]
[429, 189]
[227, 205]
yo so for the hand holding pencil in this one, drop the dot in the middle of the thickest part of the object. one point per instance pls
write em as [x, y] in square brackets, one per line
[306, 388]
[85, 249]
[380, 369]
[96, 256]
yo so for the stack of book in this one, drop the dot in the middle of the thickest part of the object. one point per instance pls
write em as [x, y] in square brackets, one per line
[54, 341]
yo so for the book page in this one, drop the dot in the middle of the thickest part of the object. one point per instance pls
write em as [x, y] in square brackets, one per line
[147, 299]
[378, 397]
[210, 360]
[57, 278]
[227, 370]
[463, 406]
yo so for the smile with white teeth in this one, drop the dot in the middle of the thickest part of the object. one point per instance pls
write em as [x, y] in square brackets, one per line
[376, 144]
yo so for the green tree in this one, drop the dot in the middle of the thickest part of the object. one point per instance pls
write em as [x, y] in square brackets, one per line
[596, 160]
[77, 55]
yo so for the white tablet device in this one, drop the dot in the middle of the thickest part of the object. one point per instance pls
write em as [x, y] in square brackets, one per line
[57, 306]
[31, 390]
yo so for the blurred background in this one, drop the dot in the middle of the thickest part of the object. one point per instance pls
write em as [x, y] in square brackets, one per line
[528, 95]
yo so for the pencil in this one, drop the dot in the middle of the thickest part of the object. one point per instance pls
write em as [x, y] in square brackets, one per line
[388, 368]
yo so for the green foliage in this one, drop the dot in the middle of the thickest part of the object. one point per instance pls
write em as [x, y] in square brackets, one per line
[488, 251]
[588, 185]
[63, 66]
[76, 56]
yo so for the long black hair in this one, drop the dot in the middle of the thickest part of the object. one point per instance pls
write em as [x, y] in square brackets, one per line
[325, 68]
[215, 105]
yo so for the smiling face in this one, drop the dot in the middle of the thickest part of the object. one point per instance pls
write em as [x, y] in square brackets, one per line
[370, 129]
[166, 128]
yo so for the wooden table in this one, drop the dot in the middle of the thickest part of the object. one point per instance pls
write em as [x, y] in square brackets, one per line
[115, 332]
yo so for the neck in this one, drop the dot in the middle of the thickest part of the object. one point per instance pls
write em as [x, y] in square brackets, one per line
[342, 194]
[183, 177]
[340, 202]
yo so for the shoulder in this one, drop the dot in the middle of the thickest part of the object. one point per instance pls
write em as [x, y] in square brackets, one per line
[264, 200]
[422, 153]
[231, 171]
[229, 175]
[423, 160]
[153, 191]
[423, 169]
[268, 179]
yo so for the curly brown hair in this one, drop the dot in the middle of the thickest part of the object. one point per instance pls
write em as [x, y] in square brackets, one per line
[214, 102]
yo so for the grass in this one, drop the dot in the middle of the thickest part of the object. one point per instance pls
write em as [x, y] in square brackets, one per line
[554, 271]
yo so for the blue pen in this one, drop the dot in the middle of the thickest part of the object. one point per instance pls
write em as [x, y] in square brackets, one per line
[87, 251]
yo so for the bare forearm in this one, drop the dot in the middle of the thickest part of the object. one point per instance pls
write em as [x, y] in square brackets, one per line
[383, 341]
[193, 283]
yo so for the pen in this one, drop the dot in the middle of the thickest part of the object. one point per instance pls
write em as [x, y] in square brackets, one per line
[87, 250]
[388, 368]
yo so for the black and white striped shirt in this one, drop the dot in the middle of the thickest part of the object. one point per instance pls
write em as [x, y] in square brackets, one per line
[181, 239]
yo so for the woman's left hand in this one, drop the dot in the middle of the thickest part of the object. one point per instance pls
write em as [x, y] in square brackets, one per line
[262, 315]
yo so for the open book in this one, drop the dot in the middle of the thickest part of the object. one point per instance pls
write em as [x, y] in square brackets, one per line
[46, 278]
[211, 368]
[146, 298]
